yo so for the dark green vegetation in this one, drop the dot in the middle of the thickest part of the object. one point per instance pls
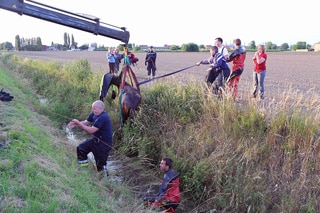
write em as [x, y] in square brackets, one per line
[231, 158]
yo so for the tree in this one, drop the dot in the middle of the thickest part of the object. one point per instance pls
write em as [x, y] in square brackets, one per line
[135, 49]
[190, 47]
[65, 39]
[39, 44]
[284, 46]
[84, 47]
[72, 41]
[6, 46]
[68, 42]
[120, 47]
[309, 47]
[301, 45]
[270, 46]
[174, 47]
[252, 45]
[17, 43]
[294, 47]
[130, 46]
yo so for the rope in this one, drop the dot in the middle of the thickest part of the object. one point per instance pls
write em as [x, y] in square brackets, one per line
[165, 75]
[120, 112]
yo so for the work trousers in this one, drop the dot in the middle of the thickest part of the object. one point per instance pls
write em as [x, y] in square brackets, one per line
[100, 150]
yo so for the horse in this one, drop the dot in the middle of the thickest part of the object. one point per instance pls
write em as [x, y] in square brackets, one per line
[129, 96]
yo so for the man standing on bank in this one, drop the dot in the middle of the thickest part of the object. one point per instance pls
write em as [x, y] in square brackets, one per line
[150, 62]
[99, 125]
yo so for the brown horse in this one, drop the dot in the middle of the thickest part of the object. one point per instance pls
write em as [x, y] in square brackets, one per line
[129, 96]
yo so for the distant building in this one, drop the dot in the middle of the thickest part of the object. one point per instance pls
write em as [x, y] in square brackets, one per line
[51, 48]
[143, 47]
[301, 50]
[92, 47]
[316, 47]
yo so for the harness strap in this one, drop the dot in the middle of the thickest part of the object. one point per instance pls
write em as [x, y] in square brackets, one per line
[126, 70]
[120, 101]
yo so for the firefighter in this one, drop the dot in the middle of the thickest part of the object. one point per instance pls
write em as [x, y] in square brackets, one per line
[150, 62]
[99, 125]
[168, 197]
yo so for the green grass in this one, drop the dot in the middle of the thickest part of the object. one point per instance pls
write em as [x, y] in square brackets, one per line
[38, 169]
[232, 158]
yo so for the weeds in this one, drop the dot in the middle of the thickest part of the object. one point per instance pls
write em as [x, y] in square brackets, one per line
[248, 157]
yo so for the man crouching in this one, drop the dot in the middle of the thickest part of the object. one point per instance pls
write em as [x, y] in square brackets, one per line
[99, 125]
[168, 197]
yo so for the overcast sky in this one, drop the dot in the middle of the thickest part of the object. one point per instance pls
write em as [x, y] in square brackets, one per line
[177, 22]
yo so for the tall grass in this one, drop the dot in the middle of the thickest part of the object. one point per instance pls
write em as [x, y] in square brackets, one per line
[68, 89]
[38, 169]
[233, 157]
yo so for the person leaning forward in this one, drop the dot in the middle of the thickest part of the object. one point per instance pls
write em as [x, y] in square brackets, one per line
[217, 63]
[99, 125]
[237, 57]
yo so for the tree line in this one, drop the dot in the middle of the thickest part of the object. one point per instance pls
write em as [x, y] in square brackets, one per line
[35, 44]
[283, 47]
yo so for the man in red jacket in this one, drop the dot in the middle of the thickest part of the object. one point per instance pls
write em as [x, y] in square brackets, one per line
[168, 197]
[238, 57]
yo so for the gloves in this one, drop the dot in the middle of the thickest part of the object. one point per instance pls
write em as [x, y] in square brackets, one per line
[145, 63]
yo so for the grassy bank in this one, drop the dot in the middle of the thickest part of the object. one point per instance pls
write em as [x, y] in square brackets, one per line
[38, 169]
[232, 157]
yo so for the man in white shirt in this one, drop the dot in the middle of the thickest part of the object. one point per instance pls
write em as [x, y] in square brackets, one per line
[223, 76]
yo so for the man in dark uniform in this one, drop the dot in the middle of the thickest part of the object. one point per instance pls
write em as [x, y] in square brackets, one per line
[150, 62]
[101, 142]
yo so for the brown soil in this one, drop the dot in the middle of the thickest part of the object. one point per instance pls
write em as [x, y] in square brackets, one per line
[296, 70]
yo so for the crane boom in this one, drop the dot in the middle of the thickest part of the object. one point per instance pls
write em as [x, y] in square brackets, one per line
[62, 17]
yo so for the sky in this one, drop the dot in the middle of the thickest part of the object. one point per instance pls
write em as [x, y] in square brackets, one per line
[172, 22]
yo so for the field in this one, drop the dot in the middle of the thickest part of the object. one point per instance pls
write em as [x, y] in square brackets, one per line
[293, 72]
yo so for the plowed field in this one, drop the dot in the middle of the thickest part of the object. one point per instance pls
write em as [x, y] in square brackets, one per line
[287, 72]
